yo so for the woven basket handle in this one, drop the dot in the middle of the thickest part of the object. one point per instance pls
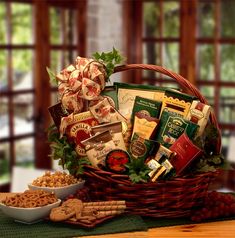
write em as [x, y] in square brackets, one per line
[184, 83]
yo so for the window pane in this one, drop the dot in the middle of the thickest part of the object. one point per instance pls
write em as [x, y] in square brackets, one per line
[56, 61]
[22, 32]
[3, 70]
[70, 26]
[22, 69]
[24, 150]
[63, 26]
[60, 59]
[4, 163]
[228, 63]
[3, 28]
[151, 55]
[151, 19]
[206, 19]
[227, 18]
[55, 27]
[205, 62]
[23, 113]
[227, 105]
[171, 19]
[209, 93]
[4, 118]
[171, 56]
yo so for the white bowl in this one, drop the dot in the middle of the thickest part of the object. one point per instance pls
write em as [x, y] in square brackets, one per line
[28, 215]
[60, 192]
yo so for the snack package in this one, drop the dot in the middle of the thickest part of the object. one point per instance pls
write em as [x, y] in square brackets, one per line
[116, 130]
[127, 93]
[57, 111]
[177, 102]
[140, 147]
[78, 127]
[163, 151]
[172, 126]
[156, 170]
[116, 160]
[104, 112]
[97, 147]
[199, 114]
[145, 126]
[185, 151]
[147, 107]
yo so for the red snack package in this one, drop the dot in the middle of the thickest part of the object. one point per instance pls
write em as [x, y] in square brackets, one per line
[185, 151]
[78, 128]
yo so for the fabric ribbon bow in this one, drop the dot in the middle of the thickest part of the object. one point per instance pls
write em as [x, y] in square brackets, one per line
[82, 81]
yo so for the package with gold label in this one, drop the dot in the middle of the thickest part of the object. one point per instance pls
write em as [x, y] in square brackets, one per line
[199, 114]
[177, 102]
[144, 125]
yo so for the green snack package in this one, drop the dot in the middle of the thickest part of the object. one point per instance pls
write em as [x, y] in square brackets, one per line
[172, 126]
[146, 106]
[128, 92]
[110, 93]
[140, 148]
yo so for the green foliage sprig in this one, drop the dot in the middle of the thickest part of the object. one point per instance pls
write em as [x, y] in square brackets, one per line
[210, 160]
[64, 151]
[109, 59]
[138, 170]
[52, 76]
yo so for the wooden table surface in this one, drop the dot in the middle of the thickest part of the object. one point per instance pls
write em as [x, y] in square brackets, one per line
[221, 229]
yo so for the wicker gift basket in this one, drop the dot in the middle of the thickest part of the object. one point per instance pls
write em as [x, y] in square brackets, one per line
[172, 198]
[169, 198]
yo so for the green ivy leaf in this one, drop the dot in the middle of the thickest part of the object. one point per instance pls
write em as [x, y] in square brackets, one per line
[109, 59]
[52, 76]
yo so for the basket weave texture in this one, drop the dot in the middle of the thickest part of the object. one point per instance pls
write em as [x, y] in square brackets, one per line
[168, 199]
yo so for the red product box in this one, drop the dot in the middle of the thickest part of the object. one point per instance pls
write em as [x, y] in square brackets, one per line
[185, 151]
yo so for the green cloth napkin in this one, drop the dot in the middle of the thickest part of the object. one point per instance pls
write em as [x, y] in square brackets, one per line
[125, 223]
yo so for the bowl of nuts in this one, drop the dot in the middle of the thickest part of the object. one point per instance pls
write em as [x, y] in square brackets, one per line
[30, 206]
[59, 183]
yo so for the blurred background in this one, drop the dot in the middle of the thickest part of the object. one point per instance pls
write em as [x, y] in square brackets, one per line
[195, 38]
